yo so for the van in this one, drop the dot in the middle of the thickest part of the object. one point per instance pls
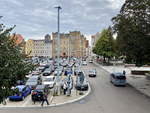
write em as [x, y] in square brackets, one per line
[118, 79]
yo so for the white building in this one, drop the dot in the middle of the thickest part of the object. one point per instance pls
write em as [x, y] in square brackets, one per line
[39, 48]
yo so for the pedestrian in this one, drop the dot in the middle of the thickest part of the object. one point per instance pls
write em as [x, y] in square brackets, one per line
[44, 99]
[65, 88]
[124, 72]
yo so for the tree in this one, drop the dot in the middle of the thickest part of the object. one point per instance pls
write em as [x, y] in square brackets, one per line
[132, 26]
[12, 64]
[105, 45]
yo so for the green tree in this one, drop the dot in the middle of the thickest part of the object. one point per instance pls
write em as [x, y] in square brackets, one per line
[132, 26]
[105, 45]
[12, 64]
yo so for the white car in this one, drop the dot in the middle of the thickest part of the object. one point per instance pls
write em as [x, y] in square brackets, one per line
[90, 61]
[49, 81]
[84, 63]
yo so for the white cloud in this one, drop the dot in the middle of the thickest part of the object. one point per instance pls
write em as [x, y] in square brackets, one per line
[14, 2]
[35, 18]
[116, 4]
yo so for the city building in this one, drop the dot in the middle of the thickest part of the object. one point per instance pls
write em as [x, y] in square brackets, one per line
[39, 48]
[94, 39]
[71, 44]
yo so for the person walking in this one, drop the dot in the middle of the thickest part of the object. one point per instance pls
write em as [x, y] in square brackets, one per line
[44, 99]
[65, 88]
[124, 72]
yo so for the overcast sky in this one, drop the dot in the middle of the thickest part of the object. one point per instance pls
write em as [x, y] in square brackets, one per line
[35, 18]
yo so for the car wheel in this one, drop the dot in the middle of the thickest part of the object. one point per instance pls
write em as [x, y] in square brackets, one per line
[23, 98]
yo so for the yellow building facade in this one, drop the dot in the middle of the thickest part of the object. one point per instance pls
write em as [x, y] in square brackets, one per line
[71, 44]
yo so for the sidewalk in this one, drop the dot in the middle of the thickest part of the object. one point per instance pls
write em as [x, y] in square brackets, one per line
[139, 82]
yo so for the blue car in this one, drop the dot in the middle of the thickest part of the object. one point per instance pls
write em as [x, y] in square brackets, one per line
[118, 79]
[23, 92]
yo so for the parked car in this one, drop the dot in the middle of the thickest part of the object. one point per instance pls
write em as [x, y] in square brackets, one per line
[21, 82]
[47, 72]
[58, 71]
[68, 71]
[81, 82]
[41, 68]
[92, 73]
[118, 78]
[76, 64]
[84, 63]
[52, 67]
[36, 72]
[33, 81]
[22, 92]
[38, 92]
[76, 71]
[90, 61]
[49, 81]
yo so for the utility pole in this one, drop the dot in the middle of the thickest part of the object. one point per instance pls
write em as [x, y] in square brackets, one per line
[58, 32]
[58, 50]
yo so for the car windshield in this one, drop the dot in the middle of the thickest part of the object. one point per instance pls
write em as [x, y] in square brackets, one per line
[121, 77]
[91, 71]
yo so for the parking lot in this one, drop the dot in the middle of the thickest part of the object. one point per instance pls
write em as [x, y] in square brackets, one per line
[67, 76]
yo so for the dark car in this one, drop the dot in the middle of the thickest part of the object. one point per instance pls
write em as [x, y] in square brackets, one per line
[47, 72]
[41, 68]
[81, 82]
[68, 71]
[76, 71]
[22, 92]
[33, 81]
[38, 92]
[92, 73]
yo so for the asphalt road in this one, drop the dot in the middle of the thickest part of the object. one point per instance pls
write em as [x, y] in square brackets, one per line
[104, 98]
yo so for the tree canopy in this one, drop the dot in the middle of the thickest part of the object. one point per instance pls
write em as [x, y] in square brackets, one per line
[105, 44]
[132, 26]
[12, 64]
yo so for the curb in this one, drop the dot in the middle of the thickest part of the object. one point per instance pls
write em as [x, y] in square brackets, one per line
[142, 93]
[54, 105]
[75, 100]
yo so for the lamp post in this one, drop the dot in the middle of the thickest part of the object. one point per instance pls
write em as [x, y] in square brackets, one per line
[58, 49]
[58, 34]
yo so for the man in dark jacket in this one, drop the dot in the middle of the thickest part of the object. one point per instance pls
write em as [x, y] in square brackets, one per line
[44, 99]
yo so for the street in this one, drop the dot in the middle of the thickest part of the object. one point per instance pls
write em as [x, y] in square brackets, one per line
[104, 98]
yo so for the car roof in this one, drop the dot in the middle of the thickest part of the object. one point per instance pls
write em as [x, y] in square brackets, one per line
[20, 87]
[118, 74]
[49, 76]
[34, 76]
[40, 87]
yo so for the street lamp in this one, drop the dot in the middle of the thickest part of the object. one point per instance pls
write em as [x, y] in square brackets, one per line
[58, 34]
[58, 50]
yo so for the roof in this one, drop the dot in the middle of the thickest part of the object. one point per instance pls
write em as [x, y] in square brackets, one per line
[118, 74]
[40, 87]
[20, 87]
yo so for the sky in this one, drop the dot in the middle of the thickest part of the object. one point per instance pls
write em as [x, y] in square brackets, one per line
[36, 18]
